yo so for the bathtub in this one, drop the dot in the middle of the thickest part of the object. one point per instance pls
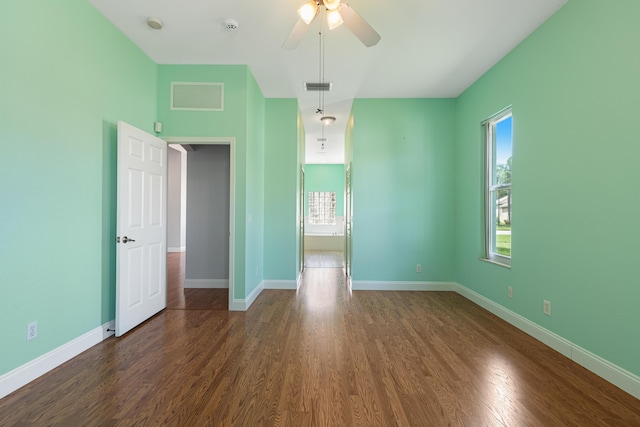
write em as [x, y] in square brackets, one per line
[323, 242]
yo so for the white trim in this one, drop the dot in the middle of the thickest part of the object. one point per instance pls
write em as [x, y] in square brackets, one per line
[362, 285]
[494, 262]
[254, 294]
[238, 305]
[177, 147]
[244, 304]
[280, 284]
[206, 283]
[231, 142]
[178, 249]
[616, 375]
[23, 375]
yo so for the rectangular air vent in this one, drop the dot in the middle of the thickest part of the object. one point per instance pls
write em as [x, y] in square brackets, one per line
[315, 87]
[196, 96]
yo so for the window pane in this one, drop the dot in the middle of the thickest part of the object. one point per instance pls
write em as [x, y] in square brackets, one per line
[503, 222]
[503, 148]
[492, 221]
[322, 207]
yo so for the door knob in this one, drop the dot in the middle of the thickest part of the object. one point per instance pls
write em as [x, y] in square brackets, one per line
[125, 239]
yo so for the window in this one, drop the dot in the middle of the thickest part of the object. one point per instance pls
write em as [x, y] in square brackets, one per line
[322, 207]
[498, 201]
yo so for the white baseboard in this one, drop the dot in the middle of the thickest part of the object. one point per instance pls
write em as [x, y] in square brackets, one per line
[627, 381]
[254, 294]
[206, 283]
[244, 304]
[23, 375]
[178, 249]
[238, 305]
[362, 285]
[280, 284]
[616, 375]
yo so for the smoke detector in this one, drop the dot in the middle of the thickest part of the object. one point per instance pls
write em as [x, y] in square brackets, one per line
[231, 24]
[155, 23]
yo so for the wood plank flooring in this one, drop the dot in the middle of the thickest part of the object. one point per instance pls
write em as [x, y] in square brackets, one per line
[321, 357]
[179, 298]
[323, 259]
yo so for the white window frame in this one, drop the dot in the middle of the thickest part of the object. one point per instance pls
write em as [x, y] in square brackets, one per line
[490, 189]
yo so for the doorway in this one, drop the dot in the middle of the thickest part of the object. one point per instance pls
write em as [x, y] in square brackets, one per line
[205, 230]
[324, 194]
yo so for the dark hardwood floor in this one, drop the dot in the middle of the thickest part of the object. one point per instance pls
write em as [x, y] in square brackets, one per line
[321, 357]
[179, 298]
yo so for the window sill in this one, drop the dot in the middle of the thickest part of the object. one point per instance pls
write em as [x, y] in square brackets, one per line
[495, 262]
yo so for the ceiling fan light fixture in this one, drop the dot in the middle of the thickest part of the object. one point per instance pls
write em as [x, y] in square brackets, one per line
[308, 11]
[331, 4]
[327, 120]
[334, 19]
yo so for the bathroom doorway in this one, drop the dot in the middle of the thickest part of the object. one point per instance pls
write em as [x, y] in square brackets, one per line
[324, 203]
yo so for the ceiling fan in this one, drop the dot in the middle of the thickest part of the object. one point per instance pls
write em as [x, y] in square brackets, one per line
[337, 13]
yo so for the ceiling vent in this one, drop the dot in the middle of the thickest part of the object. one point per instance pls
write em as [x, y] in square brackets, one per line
[317, 87]
[197, 96]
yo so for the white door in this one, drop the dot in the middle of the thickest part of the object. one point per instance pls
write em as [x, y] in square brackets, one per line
[141, 263]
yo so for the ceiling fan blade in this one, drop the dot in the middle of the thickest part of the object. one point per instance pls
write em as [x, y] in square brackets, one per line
[295, 36]
[358, 26]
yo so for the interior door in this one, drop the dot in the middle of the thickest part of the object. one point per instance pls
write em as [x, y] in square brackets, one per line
[141, 262]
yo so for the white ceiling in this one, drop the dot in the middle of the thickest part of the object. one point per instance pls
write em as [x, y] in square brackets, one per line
[429, 48]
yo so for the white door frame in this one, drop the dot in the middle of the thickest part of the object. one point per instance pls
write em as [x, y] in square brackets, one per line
[231, 142]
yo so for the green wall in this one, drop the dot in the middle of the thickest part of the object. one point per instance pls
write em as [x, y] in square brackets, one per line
[574, 86]
[281, 189]
[255, 185]
[325, 178]
[403, 192]
[63, 93]
[243, 119]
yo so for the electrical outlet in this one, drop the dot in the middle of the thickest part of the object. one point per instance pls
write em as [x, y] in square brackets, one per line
[510, 292]
[418, 268]
[32, 330]
[547, 307]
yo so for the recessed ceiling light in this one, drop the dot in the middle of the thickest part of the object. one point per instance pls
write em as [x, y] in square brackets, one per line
[155, 23]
